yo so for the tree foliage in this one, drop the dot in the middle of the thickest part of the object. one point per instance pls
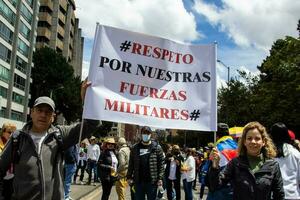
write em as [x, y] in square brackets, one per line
[52, 75]
[272, 96]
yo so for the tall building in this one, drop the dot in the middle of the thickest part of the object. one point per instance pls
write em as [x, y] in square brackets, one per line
[18, 22]
[58, 29]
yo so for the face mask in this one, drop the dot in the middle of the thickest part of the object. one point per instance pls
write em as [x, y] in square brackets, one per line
[146, 137]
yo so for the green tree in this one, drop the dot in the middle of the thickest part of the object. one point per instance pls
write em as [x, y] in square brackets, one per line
[234, 101]
[53, 76]
[278, 94]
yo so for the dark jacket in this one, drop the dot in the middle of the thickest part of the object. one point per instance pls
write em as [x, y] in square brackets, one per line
[156, 163]
[246, 185]
[70, 155]
[39, 176]
[180, 160]
[105, 164]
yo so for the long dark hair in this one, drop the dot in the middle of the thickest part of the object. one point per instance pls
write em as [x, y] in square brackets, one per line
[280, 135]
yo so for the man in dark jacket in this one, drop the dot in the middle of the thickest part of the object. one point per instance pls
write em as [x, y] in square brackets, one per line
[36, 152]
[146, 166]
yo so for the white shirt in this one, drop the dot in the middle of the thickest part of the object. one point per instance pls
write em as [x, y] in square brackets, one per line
[38, 139]
[173, 166]
[290, 171]
[114, 160]
[93, 152]
[191, 174]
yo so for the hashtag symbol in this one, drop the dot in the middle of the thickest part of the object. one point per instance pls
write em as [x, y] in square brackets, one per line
[125, 46]
[195, 114]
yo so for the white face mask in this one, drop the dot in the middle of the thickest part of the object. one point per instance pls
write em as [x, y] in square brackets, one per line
[146, 137]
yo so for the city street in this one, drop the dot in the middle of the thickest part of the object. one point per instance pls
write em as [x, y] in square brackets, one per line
[89, 192]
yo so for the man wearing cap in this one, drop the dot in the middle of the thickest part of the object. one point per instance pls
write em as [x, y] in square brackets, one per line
[146, 166]
[35, 152]
[93, 154]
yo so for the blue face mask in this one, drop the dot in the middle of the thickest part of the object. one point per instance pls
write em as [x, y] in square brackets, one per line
[146, 137]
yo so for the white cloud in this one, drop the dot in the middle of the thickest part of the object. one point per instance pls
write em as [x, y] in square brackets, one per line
[167, 18]
[255, 23]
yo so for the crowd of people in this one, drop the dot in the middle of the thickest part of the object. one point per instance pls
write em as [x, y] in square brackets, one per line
[41, 161]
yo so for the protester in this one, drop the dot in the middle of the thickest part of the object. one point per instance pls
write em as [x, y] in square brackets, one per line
[123, 158]
[227, 148]
[93, 154]
[108, 163]
[254, 174]
[188, 174]
[70, 156]
[289, 160]
[198, 163]
[203, 170]
[38, 148]
[146, 166]
[6, 131]
[173, 173]
[81, 163]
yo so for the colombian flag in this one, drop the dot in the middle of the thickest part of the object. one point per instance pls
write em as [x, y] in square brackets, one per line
[227, 146]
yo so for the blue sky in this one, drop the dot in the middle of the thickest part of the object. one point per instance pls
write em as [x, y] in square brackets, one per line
[243, 29]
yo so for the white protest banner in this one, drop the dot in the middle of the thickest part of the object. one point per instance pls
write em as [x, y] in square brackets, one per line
[146, 80]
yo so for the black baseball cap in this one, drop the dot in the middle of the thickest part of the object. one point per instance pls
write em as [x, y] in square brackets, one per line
[146, 129]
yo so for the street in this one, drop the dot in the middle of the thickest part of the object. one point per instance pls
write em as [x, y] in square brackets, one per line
[85, 192]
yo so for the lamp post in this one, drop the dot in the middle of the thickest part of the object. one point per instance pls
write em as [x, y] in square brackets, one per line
[53, 90]
[228, 70]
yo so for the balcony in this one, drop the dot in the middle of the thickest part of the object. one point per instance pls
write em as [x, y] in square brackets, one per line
[64, 4]
[47, 3]
[59, 45]
[61, 31]
[46, 17]
[62, 17]
[43, 31]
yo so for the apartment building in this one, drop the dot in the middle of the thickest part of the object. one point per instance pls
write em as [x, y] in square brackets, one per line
[18, 22]
[58, 29]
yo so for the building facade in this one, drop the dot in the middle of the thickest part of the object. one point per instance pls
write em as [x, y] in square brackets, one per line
[58, 29]
[18, 22]
[24, 26]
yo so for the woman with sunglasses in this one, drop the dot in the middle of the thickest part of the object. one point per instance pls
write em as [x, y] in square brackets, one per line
[108, 163]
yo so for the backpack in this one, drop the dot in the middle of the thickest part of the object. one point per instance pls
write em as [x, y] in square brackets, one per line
[15, 155]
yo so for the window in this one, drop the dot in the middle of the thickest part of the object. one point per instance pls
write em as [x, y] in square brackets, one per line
[23, 48]
[4, 74]
[14, 2]
[2, 112]
[45, 9]
[21, 64]
[7, 13]
[26, 13]
[3, 92]
[6, 33]
[24, 30]
[5, 53]
[43, 24]
[29, 2]
[18, 98]
[19, 82]
[15, 115]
